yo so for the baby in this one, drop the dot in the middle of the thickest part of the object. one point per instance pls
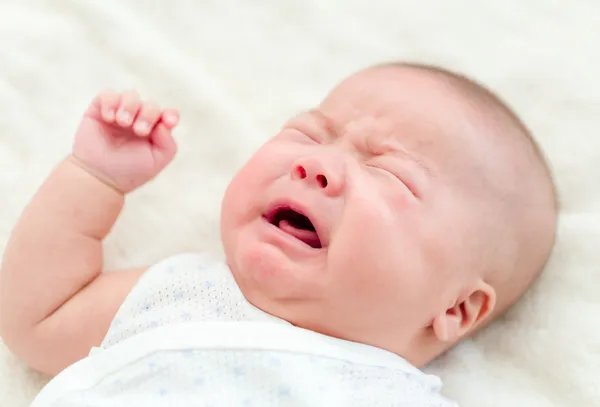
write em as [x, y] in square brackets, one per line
[373, 233]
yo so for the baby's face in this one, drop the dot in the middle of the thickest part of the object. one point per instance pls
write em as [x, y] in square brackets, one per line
[378, 172]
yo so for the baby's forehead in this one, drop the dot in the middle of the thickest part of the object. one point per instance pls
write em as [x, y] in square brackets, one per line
[410, 109]
[410, 105]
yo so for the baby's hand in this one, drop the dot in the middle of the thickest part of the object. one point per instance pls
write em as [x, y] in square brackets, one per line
[124, 141]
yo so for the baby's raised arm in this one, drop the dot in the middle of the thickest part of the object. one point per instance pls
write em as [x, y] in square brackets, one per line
[55, 300]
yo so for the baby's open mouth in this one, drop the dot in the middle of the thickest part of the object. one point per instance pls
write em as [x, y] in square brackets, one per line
[295, 224]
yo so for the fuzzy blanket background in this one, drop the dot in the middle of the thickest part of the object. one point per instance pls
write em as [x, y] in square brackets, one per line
[237, 69]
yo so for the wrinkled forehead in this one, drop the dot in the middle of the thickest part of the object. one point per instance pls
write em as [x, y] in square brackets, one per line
[422, 113]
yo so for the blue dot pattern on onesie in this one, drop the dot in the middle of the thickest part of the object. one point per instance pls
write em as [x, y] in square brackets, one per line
[183, 288]
[244, 378]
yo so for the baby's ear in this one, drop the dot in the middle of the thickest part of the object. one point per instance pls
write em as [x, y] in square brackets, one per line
[466, 314]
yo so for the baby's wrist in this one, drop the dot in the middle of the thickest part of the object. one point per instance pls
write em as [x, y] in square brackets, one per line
[72, 158]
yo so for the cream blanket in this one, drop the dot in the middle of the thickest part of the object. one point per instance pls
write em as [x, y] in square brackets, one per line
[237, 69]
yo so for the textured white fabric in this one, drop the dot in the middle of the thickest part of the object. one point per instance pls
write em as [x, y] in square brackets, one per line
[238, 69]
[183, 288]
[185, 336]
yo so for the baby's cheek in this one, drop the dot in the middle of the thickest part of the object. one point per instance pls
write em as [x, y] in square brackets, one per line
[379, 231]
[268, 164]
[397, 198]
[365, 270]
[252, 177]
[366, 235]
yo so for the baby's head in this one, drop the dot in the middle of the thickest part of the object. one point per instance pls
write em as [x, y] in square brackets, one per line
[407, 210]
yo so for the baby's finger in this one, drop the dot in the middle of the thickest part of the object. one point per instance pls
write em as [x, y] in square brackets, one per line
[109, 102]
[146, 119]
[163, 144]
[170, 117]
[130, 104]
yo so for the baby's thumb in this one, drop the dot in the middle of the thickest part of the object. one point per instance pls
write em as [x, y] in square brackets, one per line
[163, 144]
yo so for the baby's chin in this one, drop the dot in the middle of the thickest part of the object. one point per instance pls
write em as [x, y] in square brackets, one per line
[266, 275]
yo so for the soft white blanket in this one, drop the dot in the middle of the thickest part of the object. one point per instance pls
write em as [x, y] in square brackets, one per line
[237, 69]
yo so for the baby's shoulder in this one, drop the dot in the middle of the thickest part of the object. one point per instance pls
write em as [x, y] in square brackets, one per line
[189, 266]
[191, 279]
[187, 287]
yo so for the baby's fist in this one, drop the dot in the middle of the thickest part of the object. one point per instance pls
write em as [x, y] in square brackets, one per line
[124, 141]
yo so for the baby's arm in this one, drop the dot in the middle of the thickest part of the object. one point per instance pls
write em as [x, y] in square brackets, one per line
[55, 301]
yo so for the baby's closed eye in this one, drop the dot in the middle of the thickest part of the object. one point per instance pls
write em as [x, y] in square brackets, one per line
[392, 168]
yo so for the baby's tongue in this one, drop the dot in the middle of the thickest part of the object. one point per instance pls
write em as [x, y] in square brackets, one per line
[307, 236]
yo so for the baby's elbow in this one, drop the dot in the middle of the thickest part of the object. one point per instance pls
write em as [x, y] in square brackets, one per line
[8, 331]
[24, 345]
[14, 339]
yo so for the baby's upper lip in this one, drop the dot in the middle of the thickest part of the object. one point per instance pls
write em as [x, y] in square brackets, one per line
[301, 209]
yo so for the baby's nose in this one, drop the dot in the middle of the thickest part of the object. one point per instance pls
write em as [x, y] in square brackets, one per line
[322, 172]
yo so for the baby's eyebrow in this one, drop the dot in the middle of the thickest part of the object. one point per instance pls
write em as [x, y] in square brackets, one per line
[325, 122]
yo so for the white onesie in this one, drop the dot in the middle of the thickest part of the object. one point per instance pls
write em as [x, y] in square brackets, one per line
[186, 336]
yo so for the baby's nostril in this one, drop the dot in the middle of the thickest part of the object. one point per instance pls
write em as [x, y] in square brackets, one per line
[322, 180]
[301, 172]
